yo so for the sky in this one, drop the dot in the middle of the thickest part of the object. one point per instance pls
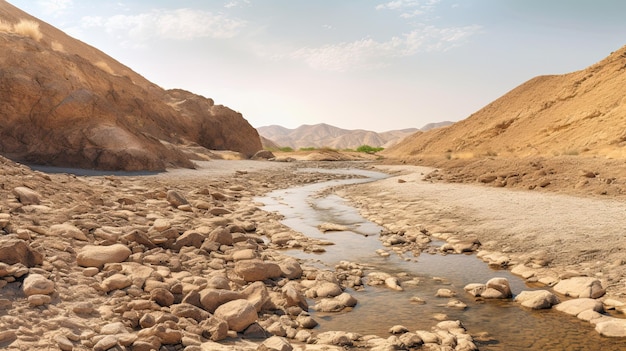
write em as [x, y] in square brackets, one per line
[355, 64]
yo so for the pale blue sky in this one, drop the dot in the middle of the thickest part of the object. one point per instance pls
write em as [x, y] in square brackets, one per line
[355, 64]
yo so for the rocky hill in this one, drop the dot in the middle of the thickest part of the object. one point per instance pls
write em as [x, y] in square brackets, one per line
[324, 135]
[65, 103]
[581, 113]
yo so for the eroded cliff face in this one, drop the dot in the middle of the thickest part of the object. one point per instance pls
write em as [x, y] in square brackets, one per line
[64, 103]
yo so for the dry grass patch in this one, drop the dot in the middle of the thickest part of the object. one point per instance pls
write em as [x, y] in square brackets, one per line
[28, 28]
[56, 46]
[104, 66]
[5, 27]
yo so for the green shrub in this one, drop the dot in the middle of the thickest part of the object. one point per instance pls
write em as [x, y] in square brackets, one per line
[310, 148]
[369, 149]
[285, 149]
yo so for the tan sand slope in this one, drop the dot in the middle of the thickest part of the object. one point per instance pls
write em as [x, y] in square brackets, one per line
[580, 113]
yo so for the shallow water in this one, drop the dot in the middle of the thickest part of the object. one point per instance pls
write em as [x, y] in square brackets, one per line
[509, 326]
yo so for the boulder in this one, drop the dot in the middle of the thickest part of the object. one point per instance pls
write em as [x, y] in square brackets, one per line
[27, 196]
[211, 298]
[185, 310]
[98, 256]
[257, 270]
[580, 287]
[14, 251]
[275, 343]
[116, 282]
[537, 299]
[290, 268]
[612, 327]
[336, 304]
[162, 296]
[293, 295]
[239, 314]
[68, 230]
[257, 294]
[576, 306]
[501, 285]
[214, 328]
[37, 284]
[221, 235]
[39, 300]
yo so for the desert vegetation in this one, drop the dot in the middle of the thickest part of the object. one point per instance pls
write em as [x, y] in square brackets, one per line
[369, 149]
[26, 28]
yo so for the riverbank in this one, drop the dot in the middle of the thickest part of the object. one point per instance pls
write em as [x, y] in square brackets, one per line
[543, 237]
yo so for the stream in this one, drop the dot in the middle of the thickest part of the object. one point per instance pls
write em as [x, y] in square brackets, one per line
[507, 324]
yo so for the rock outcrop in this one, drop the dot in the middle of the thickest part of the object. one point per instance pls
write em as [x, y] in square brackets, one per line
[67, 104]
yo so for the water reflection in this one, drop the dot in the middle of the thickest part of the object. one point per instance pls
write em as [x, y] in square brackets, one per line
[506, 324]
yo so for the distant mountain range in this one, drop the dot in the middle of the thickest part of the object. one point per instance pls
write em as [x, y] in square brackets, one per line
[324, 135]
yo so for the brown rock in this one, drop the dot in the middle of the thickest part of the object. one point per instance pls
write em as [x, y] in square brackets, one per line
[37, 284]
[214, 328]
[175, 199]
[222, 236]
[97, 256]
[27, 196]
[255, 270]
[189, 311]
[162, 296]
[239, 314]
[211, 299]
[68, 230]
[14, 251]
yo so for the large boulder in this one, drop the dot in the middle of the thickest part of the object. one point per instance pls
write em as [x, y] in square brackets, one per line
[98, 256]
[537, 299]
[612, 327]
[575, 306]
[239, 314]
[580, 287]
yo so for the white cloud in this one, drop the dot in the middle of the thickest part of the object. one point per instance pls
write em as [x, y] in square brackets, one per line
[54, 7]
[367, 54]
[409, 8]
[180, 24]
[236, 3]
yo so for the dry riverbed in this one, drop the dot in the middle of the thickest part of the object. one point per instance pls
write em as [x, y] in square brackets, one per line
[186, 260]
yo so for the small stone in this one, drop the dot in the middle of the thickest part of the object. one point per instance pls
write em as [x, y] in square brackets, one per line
[105, 343]
[275, 343]
[36, 284]
[7, 336]
[175, 199]
[64, 343]
[39, 300]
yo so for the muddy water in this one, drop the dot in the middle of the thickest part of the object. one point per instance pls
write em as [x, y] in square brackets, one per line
[506, 325]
